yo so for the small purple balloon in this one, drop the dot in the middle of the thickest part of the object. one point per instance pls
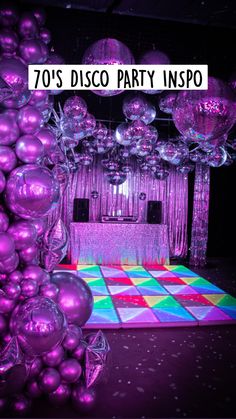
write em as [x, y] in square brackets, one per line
[9, 131]
[24, 234]
[49, 380]
[83, 398]
[29, 119]
[12, 290]
[29, 255]
[79, 351]
[50, 291]
[10, 264]
[2, 184]
[38, 98]
[33, 390]
[35, 368]
[8, 160]
[29, 149]
[32, 191]
[48, 139]
[29, 288]
[8, 41]
[16, 277]
[3, 324]
[6, 304]
[33, 272]
[70, 370]
[20, 405]
[28, 26]
[72, 338]
[33, 51]
[45, 35]
[40, 16]
[8, 14]
[7, 246]
[40, 224]
[39, 325]
[54, 357]
[61, 395]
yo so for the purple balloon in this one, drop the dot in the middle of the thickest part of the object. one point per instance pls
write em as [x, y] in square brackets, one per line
[12, 290]
[9, 131]
[8, 14]
[8, 41]
[14, 72]
[54, 357]
[60, 396]
[29, 149]
[33, 272]
[83, 398]
[20, 405]
[79, 351]
[74, 298]
[6, 304]
[35, 368]
[55, 59]
[38, 98]
[29, 288]
[29, 119]
[2, 183]
[39, 325]
[40, 16]
[72, 338]
[40, 224]
[3, 324]
[28, 26]
[24, 234]
[16, 277]
[33, 390]
[32, 191]
[48, 139]
[70, 370]
[49, 380]
[10, 264]
[45, 35]
[7, 246]
[107, 51]
[30, 254]
[75, 107]
[33, 51]
[50, 291]
[8, 159]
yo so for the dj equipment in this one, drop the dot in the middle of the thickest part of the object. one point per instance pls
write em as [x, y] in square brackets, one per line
[81, 210]
[154, 212]
[119, 219]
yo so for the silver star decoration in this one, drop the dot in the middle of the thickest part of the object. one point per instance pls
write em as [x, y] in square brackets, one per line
[95, 358]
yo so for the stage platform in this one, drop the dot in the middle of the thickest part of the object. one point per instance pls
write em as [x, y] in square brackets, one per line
[157, 296]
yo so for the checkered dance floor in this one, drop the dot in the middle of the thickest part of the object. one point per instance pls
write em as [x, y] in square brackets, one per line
[158, 296]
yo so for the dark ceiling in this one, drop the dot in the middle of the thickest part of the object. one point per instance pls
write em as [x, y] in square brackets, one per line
[203, 12]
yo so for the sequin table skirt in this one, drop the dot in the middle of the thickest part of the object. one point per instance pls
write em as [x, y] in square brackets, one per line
[119, 244]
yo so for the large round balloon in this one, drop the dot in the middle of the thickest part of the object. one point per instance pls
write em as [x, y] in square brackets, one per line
[108, 51]
[39, 324]
[31, 191]
[205, 114]
[74, 297]
[14, 72]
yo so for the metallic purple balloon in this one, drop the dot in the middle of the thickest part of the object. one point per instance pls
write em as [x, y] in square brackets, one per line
[28, 26]
[54, 357]
[29, 149]
[24, 234]
[72, 338]
[29, 288]
[70, 370]
[10, 264]
[107, 51]
[79, 351]
[33, 390]
[29, 119]
[55, 59]
[48, 139]
[6, 304]
[3, 324]
[16, 277]
[75, 107]
[32, 191]
[29, 255]
[83, 398]
[20, 405]
[8, 41]
[203, 115]
[38, 98]
[33, 51]
[40, 16]
[61, 395]
[9, 131]
[49, 380]
[7, 246]
[45, 35]
[12, 290]
[74, 298]
[33, 272]
[40, 224]
[2, 183]
[35, 368]
[8, 14]
[8, 159]
[39, 325]
[50, 291]
[14, 72]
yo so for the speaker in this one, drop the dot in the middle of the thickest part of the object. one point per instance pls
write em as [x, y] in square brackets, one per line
[154, 212]
[81, 210]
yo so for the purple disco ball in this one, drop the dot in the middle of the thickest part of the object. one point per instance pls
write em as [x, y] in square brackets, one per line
[107, 51]
[39, 325]
[154, 57]
[167, 102]
[116, 177]
[32, 191]
[135, 106]
[205, 114]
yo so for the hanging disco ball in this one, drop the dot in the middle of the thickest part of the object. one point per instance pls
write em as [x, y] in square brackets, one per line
[116, 177]
[154, 57]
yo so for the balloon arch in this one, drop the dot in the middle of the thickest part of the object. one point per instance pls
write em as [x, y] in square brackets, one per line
[39, 149]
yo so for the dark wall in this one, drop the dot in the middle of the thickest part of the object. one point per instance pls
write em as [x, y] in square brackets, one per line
[73, 31]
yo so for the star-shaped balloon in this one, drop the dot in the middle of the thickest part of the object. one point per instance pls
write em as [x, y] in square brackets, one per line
[95, 358]
[13, 370]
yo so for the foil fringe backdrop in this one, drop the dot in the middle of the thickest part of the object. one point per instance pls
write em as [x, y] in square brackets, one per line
[124, 199]
[201, 199]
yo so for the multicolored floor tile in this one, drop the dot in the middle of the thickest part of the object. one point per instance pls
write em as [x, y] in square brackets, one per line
[153, 296]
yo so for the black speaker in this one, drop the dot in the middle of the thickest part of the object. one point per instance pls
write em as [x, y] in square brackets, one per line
[81, 210]
[154, 212]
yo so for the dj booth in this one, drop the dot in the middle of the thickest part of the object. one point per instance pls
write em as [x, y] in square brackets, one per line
[118, 243]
